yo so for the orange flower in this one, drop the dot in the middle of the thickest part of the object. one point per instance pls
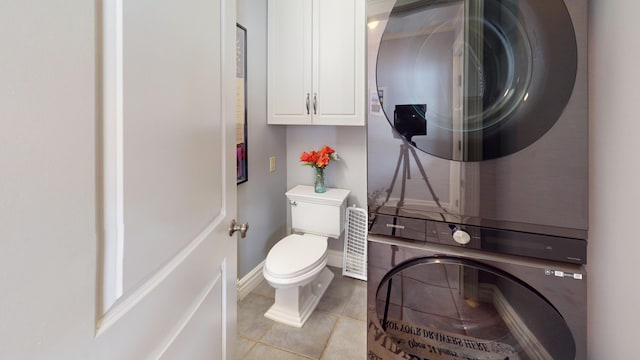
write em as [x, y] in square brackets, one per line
[307, 157]
[327, 150]
[320, 158]
[323, 160]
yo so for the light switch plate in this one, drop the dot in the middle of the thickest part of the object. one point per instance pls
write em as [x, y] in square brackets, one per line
[272, 163]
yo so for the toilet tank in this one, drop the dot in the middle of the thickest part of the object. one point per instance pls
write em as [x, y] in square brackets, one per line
[317, 213]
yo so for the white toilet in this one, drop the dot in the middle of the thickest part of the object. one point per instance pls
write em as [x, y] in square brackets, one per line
[296, 265]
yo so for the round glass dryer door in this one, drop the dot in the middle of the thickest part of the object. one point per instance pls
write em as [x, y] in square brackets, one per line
[452, 308]
[475, 80]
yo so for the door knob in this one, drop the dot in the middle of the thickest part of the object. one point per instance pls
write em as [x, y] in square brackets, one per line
[238, 227]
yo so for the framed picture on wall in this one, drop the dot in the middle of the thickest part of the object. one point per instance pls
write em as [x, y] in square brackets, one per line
[241, 106]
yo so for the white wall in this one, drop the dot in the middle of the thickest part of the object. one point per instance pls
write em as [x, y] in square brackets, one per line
[350, 142]
[48, 227]
[261, 200]
[614, 294]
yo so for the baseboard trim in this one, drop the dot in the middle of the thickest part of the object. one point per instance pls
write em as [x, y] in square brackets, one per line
[530, 343]
[251, 281]
[334, 258]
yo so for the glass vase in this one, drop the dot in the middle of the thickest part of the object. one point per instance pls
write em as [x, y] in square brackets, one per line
[319, 186]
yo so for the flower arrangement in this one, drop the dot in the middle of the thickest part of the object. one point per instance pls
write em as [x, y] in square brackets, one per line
[319, 159]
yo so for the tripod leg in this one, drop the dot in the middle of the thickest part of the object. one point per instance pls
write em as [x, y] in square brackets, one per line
[426, 179]
[395, 177]
[405, 150]
[403, 158]
[405, 175]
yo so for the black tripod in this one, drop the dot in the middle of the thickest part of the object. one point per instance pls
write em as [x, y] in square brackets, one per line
[404, 160]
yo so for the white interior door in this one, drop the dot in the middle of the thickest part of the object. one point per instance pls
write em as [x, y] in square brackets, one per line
[169, 263]
[118, 161]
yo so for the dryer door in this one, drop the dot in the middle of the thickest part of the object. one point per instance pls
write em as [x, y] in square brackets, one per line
[476, 80]
[451, 308]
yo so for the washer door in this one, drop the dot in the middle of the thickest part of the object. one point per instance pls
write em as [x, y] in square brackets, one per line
[475, 80]
[451, 308]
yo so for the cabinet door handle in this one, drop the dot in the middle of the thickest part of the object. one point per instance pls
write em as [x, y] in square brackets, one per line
[307, 103]
[315, 103]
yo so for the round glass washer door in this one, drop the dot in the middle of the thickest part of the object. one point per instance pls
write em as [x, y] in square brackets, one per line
[475, 80]
[453, 308]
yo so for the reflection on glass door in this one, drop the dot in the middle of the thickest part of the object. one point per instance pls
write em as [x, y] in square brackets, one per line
[472, 63]
[461, 309]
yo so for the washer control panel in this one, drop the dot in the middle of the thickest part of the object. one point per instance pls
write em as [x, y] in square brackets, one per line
[503, 241]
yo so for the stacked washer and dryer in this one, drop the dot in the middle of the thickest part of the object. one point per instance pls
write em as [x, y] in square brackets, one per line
[477, 179]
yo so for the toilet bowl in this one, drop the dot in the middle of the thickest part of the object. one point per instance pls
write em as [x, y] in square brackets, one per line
[296, 268]
[295, 260]
[296, 265]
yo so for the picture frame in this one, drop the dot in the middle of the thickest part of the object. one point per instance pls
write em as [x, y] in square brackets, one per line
[241, 109]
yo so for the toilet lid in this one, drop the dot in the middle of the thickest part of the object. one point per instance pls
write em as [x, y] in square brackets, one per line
[294, 254]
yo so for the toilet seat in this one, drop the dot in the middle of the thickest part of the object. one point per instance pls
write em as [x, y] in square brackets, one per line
[295, 258]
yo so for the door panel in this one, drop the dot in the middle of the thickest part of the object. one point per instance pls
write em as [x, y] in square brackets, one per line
[147, 322]
[338, 76]
[170, 139]
[335, 79]
[289, 58]
[195, 336]
[169, 266]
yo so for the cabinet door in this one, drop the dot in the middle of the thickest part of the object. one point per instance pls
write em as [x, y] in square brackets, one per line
[339, 62]
[316, 63]
[289, 61]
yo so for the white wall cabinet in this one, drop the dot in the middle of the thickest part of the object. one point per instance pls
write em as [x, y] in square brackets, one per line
[316, 62]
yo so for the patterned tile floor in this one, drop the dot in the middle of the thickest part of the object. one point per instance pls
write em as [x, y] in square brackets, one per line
[335, 331]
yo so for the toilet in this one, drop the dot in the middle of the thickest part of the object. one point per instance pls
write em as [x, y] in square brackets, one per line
[296, 266]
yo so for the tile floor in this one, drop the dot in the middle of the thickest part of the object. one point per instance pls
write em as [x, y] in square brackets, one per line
[335, 331]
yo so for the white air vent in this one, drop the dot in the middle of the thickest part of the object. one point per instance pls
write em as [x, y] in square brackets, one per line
[355, 244]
